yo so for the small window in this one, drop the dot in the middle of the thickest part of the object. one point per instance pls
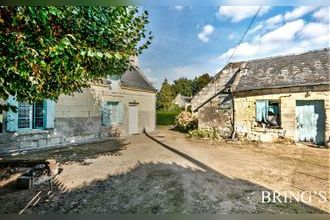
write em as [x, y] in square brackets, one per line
[38, 115]
[24, 115]
[110, 113]
[31, 116]
[225, 101]
[268, 113]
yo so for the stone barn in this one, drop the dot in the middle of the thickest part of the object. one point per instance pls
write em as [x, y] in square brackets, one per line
[270, 98]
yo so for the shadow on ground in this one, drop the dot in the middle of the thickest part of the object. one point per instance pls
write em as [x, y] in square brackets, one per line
[153, 188]
[165, 188]
[71, 154]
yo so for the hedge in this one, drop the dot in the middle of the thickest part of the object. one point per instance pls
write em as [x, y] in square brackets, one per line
[166, 118]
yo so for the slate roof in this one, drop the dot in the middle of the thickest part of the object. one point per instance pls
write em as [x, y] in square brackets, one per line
[136, 79]
[186, 98]
[310, 68]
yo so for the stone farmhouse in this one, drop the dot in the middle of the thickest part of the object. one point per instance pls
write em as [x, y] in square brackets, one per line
[124, 106]
[270, 98]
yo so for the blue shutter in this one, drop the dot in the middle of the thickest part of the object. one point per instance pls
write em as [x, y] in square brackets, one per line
[49, 107]
[261, 110]
[12, 117]
[105, 115]
[120, 112]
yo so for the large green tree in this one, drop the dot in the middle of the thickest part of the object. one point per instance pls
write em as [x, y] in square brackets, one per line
[165, 96]
[49, 51]
[200, 82]
[183, 86]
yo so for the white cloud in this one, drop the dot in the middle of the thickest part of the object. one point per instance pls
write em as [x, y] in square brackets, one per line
[318, 32]
[178, 8]
[238, 13]
[298, 12]
[293, 37]
[257, 28]
[286, 32]
[231, 36]
[206, 32]
[274, 20]
[323, 14]
[269, 24]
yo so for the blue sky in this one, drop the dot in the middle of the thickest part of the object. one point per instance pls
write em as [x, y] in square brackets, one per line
[189, 41]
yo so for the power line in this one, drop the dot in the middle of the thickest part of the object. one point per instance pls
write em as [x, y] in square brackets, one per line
[248, 28]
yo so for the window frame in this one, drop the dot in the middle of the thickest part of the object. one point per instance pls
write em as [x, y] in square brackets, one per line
[109, 105]
[268, 125]
[32, 117]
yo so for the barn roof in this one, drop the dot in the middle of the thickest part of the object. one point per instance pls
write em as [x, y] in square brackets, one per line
[310, 68]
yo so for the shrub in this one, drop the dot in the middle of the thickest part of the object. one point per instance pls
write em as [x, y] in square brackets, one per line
[206, 133]
[165, 118]
[186, 121]
[175, 108]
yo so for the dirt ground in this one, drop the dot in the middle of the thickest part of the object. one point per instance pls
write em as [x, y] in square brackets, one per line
[168, 173]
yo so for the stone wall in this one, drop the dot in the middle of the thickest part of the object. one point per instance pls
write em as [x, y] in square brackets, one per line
[245, 110]
[146, 103]
[216, 85]
[211, 115]
[78, 120]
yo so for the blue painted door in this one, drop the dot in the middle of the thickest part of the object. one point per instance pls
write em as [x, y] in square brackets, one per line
[310, 121]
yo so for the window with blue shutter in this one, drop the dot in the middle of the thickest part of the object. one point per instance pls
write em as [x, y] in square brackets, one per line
[105, 114]
[49, 119]
[31, 116]
[11, 116]
[261, 110]
[268, 112]
[112, 113]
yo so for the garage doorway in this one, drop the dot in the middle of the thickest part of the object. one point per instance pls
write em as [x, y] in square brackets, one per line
[310, 119]
[133, 119]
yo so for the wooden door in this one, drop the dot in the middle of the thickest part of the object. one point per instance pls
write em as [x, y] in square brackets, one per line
[133, 113]
[310, 121]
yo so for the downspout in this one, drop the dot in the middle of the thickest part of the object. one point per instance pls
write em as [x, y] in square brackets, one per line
[233, 116]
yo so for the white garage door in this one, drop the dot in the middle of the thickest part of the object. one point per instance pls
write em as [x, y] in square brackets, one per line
[133, 120]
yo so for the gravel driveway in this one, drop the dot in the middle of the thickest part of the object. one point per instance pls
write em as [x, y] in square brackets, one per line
[167, 173]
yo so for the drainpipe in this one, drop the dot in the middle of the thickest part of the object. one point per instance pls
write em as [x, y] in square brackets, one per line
[233, 114]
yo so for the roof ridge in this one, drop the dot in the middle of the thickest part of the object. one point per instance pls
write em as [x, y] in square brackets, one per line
[281, 56]
[143, 76]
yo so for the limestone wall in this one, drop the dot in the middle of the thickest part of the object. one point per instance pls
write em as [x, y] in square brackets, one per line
[78, 119]
[245, 109]
[215, 86]
[211, 115]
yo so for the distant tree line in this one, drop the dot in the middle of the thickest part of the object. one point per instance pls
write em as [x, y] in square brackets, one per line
[183, 86]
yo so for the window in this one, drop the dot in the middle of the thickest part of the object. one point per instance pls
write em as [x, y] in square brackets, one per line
[30, 116]
[112, 113]
[268, 113]
[225, 101]
[24, 115]
[38, 115]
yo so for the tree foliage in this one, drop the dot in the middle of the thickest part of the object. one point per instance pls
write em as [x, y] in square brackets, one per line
[49, 51]
[200, 82]
[183, 86]
[165, 96]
